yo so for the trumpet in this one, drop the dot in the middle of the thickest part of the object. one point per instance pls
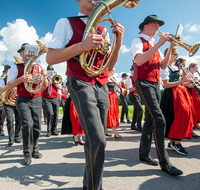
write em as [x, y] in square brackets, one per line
[57, 79]
[192, 49]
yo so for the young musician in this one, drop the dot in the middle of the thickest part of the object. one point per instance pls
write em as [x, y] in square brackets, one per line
[176, 106]
[147, 61]
[136, 100]
[3, 82]
[89, 94]
[51, 103]
[29, 106]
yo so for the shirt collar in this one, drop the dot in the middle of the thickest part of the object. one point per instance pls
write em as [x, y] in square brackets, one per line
[148, 38]
[84, 19]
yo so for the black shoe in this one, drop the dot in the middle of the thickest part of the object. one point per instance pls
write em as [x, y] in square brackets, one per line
[27, 160]
[55, 133]
[149, 160]
[36, 155]
[171, 170]
[178, 148]
[128, 121]
[18, 141]
[119, 137]
[122, 121]
[48, 134]
[139, 129]
[194, 135]
[75, 142]
[10, 143]
[2, 133]
[108, 135]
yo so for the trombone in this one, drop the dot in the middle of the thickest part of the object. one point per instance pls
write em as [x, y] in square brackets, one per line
[192, 49]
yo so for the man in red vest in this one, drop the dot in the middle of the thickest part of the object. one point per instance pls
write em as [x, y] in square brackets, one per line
[89, 94]
[3, 82]
[29, 106]
[147, 61]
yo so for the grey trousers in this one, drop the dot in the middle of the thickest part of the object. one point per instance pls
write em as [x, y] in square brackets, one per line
[2, 118]
[91, 102]
[138, 111]
[51, 107]
[124, 100]
[154, 121]
[14, 133]
[30, 118]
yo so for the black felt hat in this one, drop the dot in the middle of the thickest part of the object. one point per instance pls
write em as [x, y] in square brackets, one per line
[50, 68]
[6, 67]
[22, 47]
[124, 75]
[151, 18]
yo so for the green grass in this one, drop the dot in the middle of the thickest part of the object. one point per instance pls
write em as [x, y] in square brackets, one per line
[130, 111]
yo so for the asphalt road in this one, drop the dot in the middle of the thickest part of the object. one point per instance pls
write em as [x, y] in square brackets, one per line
[62, 165]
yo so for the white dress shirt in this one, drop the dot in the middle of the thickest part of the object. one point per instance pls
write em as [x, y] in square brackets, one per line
[137, 46]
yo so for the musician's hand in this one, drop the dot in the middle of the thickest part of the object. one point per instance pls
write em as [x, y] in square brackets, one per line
[119, 29]
[190, 85]
[92, 41]
[44, 72]
[163, 38]
[187, 78]
[26, 78]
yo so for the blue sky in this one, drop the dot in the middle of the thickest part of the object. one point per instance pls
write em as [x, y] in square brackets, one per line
[30, 20]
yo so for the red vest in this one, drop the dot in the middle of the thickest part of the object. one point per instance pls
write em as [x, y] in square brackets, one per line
[151, 69]
[5, 81]
[21, 91]
[133, 82]
[63, 97]
[74, 68]
[46, 93]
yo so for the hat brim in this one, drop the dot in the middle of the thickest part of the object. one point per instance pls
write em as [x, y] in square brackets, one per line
[160, 22]
[19, 50]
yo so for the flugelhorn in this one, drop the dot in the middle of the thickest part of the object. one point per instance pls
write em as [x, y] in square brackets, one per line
[35, 69]
[95, 19]
[192, 49]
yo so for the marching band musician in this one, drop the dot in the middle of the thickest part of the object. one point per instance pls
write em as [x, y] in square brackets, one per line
[89, 94]
[176, 106]
[14, 133]
[193, 67]
[136, 100]
[3, 82]
[147, 61]
[124, 98]
[51, 102]
[28, 105]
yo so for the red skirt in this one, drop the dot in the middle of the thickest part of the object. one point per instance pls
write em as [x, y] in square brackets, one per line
[196, 103]
[76, 125]
[182, 125]
[113, 110]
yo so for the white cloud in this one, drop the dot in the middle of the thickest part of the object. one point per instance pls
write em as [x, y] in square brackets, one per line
[124, 49]
[186, 38]
[195, 28]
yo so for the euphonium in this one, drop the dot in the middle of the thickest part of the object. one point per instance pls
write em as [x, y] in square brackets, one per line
[9, 96]
[57, 79]
[95, 19]
[32, 68]
[192, 49]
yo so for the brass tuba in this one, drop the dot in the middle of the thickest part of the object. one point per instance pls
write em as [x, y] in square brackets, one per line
[192, 49]
[9, 96]
[95, 19]
[57, 79]
[36, 84]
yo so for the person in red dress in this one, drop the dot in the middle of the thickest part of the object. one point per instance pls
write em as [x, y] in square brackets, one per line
[113, 110]
[77, 130]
